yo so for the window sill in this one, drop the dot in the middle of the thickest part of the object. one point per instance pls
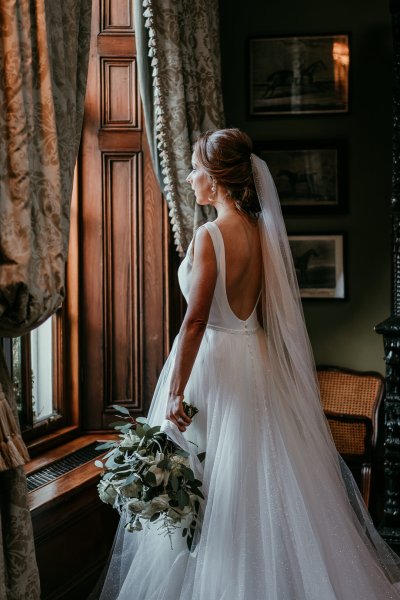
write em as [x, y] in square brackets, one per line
[46, 442]
[68, 484]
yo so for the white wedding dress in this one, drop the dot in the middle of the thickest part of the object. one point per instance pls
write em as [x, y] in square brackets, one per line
[278, 521]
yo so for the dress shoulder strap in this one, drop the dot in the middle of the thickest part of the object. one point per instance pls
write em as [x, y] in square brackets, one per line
[218, 244]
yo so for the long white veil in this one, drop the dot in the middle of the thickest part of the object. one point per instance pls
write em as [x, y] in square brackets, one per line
[293, 380]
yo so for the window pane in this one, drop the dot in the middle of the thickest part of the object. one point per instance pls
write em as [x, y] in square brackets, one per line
[17, 370]
[42, 371]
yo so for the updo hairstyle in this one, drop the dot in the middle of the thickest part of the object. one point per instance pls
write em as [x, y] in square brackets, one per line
[225, 156]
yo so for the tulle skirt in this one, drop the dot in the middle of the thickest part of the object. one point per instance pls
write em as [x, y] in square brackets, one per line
[281, 520]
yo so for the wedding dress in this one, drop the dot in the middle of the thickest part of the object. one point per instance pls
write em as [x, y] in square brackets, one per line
[282, 517]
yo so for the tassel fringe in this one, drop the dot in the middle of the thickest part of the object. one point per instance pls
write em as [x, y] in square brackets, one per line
[13, 452]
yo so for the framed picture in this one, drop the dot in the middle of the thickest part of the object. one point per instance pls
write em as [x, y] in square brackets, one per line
[319, 264]
[298, 75]
[310, 177]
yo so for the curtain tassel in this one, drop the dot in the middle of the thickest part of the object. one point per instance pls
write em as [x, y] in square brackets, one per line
[13, 452]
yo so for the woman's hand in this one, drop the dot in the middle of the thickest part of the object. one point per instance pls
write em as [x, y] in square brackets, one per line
[175, 412]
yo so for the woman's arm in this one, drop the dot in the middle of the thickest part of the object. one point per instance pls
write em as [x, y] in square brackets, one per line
[204, 277]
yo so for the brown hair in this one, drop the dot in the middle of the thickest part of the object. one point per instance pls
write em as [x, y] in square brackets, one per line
[225, 156]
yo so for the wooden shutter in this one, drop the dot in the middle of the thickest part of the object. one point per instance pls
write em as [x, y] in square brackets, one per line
[124, 232]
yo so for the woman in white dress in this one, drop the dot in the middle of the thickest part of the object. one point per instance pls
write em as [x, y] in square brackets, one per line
[282, 517]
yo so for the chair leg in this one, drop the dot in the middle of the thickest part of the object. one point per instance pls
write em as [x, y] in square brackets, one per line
[366, 482]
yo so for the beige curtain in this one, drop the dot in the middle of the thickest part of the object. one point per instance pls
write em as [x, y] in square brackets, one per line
[184, 57]
[44, 47]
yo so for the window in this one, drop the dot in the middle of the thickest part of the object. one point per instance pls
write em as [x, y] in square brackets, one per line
[35, 368]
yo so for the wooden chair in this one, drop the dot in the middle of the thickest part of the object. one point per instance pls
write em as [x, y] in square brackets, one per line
[351, 401]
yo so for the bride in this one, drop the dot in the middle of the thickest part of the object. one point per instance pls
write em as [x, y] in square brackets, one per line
[283, 518]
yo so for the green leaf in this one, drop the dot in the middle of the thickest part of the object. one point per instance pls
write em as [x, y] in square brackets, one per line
[197, 492]
[184, 532]
[189, 541]
[201, 456]
[181, 452]
[106, 446]
[140, 420]
[187, 473]
[131, 478]
[154, 517]
[174, 503]
[164, 464]
[152, 430]
[99, 464]
[183, 498]
[140, 431]
[196, 483]
[174, 483]
[121, 409]
[124, 428]
[150, 479]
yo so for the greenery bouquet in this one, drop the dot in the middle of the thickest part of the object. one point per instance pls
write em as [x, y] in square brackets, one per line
[148, 478]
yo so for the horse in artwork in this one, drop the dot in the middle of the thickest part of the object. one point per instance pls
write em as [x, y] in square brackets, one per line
[295, 81]
[301, 263]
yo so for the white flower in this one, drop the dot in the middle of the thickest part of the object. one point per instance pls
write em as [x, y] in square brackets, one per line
[136, 506]
[135, 526]
[158, 504]
[129, 439]
[131, 490]
[107, 492]
[179, 460]
[158, 473]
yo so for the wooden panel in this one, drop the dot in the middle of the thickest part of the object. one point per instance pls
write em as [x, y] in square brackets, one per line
[123, 232]
[122, 278]
[117, 16]
[72, 540]
[119, 93]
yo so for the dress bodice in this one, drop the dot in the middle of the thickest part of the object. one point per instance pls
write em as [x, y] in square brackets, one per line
[221, 315]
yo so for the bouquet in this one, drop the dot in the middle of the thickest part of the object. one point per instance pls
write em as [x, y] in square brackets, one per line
[147, 477]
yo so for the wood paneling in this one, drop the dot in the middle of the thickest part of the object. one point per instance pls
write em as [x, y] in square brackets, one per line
[73, 529]
[124, 231]
[122, 278]
[119, 93]
[116, 16]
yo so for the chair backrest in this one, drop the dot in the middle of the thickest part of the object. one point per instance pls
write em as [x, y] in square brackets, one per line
[351, 402]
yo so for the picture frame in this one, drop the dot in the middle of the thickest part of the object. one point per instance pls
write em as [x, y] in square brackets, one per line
[310, 176]
[292, 75]
[319, 264]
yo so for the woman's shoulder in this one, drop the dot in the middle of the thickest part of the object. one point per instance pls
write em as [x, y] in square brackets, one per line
[202, 241]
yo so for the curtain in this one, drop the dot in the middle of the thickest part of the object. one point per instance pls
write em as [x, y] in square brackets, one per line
[180, 84]
[44, 50]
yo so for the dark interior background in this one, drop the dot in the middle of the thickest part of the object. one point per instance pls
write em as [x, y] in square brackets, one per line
[341, 331]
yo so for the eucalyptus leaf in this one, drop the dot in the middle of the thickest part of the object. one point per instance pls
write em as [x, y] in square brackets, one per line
[152, 430]
[106, 445]
[197, 492]
[99, 464]
[174, 483]
[150, 479]
[141, 420]
[187, 473]
[121, 409]
[183, 498]
[154, 517]
[201, 456]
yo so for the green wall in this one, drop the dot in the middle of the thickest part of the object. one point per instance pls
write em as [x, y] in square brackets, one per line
[341, 331]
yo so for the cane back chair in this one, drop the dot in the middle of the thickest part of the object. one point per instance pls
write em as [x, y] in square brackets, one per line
[351, 401]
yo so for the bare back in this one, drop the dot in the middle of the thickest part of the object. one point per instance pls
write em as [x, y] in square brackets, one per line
[243, 263]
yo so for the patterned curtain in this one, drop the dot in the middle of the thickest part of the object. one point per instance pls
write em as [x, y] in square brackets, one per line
[44, 50]
[182, 62]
